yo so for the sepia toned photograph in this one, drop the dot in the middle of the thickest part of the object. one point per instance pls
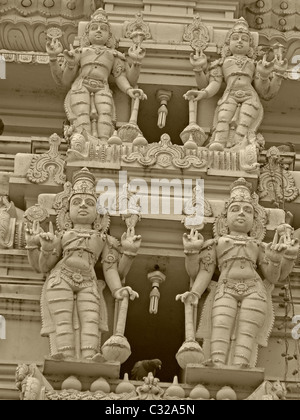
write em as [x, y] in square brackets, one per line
[149, 203]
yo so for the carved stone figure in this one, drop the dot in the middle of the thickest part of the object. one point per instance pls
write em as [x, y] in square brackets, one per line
[89, 104]
[238, 315]
[240, 112]
[73, 308]
[8, 219]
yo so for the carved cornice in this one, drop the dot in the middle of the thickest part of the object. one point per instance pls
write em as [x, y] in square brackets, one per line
[274, 18]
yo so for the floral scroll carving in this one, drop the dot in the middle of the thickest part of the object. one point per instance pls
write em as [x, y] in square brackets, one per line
[49, 166]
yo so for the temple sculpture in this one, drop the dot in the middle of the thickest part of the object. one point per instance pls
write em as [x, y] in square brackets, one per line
[74, 312]
[248, 79]
[238, 315]
[89, 104]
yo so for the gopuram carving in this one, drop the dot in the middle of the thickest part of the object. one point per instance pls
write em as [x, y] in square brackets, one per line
[248, 79]
[238, 315]
[89, 105]
[74, 312]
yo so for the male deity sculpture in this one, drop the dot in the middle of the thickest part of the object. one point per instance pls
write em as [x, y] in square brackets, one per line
[89, 104]
[238, 316]
[74, 312]
[239, 112]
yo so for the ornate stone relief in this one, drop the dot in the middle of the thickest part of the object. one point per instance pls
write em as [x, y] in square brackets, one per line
[7, 223]
[276, 183]
[49, 166]
[69, 255]
[197, 34]
[89, 105]
[240, 112]
[138, 28]
[232, 332]
[276, 16]
[165, 154]
[23, 23]
[33, 386]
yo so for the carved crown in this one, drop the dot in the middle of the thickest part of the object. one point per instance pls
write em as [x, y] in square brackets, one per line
[100, 16]
[241, 26]
[84, 183]
[241, 191]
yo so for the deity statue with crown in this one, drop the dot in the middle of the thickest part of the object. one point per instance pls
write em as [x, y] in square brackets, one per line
[89, 104]
[74, 312]
[240, 112]
[238, 315]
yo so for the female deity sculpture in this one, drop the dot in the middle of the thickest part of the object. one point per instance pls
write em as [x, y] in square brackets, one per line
[238, 316]
[89, 104]
[74, 312]
[240, 112]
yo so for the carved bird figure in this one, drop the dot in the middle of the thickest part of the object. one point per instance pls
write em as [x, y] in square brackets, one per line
[142, 369]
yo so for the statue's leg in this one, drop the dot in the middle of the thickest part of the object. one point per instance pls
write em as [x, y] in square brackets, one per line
[61, 305]
[105, 108]
[89, 316]
[225, 116]
[249, 112]
[80, 104]
[223, 321]
[252, 317]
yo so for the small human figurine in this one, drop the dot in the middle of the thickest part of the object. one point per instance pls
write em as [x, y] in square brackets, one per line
[238, 316]
[240, 112]
[89, 104]
[73, 308]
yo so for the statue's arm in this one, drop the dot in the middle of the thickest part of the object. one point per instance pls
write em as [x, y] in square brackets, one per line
[110, 263]
[119, 73]
[208, 265]
[215, 79]
[290, 257]
[269, 77]
[33, 253]
[270, 264]
[49, 258]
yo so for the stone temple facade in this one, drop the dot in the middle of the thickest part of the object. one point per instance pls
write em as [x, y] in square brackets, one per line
[149, 200]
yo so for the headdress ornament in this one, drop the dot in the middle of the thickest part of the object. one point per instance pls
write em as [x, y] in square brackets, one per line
[84, 183]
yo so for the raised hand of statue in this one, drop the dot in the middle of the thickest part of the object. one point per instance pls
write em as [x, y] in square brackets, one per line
[54, 48]
[48, 239]
[189, 297]
[32, 235]
[265, 67]
[131, 242]
[276, 249]
[280, 66]
[137, 93]
[137, 54]
[126, 292]
[199, 61]
[73, 56]
[196, 95]
[193, 243]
